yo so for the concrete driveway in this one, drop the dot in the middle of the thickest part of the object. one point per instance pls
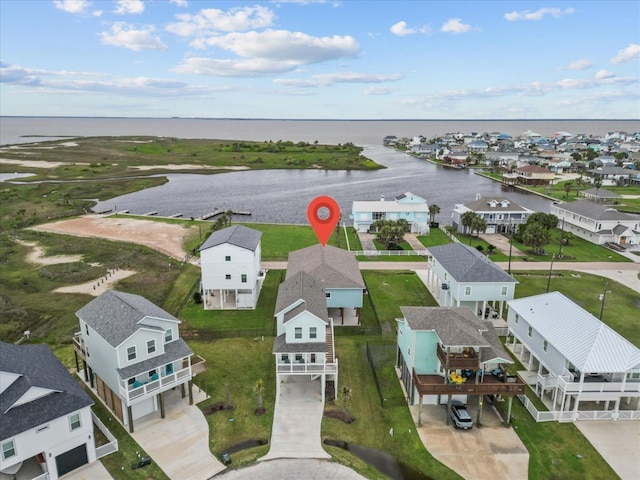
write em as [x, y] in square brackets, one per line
[618, 443]
[491, 451]
[296, 421]
[179, 443]
[292, 469]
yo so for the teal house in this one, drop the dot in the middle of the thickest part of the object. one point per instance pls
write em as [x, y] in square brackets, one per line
[409, 207]
[339, 275]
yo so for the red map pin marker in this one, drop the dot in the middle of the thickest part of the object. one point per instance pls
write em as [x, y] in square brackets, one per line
[323, 227]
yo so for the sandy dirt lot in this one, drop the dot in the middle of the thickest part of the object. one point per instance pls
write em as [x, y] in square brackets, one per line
[163, 237]
[99, 285]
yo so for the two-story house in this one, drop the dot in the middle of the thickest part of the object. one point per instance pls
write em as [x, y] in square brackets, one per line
[46, 424]
[501, 214]
[464, 277]
[232, 276]
[132, 354]
[338, 272]
[581, 367]
[450, 352]
[304, 343]
[598, 223]
[410, 207]
[534, 175]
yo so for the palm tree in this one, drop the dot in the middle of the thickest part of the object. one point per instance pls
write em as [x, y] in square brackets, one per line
[467, 220]
[597, 183]
[567, 188]
[433, 211]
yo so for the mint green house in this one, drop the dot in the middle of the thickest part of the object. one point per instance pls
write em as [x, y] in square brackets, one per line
[408, 206]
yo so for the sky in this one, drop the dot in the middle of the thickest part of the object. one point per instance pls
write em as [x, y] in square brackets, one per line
[321, 59]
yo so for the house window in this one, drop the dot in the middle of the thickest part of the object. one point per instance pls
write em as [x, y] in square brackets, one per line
[131, 353]
[227, 276]
[168, 369]
[285, 358]
[545, 345]
[8, 449]
[299, 358]
[168, 335]
[131, 381]
[530, 331]
[517, 317]
[151, 346]
[86, 329]
[313, 358]
[86, 349]
[327, 294]
[74, 421]
[467, 291]
[378, 216]
[243, 278]
[227, 258]
[504, 290]
[313, 332]
[298, 332]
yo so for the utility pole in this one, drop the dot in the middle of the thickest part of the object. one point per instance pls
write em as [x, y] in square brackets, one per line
[561, 237]
[550, 268]
[604, 294]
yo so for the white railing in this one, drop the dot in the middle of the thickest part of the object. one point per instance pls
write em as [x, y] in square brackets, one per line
[629, 415]
[44, 476]
[310, 368]
[570, 415]
[547, 381]
[156, 385]
[112, 446]
[601, 387]
[391, 253]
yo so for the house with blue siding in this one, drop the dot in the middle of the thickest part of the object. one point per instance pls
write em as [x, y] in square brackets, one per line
[464, 277]
[448, 353]
[408, 206]
[339, 275]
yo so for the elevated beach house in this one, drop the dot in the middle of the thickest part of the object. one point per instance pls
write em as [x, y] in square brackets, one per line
[501, 214]
[304, 346]
[598, 223]
[461, 276]
[132, 354]
[232, 275]
[338, 272]
[580, 367]
[448, 353]
[46, 427]
[410, 207]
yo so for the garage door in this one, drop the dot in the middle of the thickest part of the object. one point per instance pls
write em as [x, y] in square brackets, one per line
[74, 458]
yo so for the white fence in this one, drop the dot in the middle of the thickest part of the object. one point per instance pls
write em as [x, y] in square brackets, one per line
[568, 416]
[110, 447]
[391, 253]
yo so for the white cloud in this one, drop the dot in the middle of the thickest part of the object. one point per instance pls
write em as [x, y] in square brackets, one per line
[72, 6]
[632, 52]
[124, 35]
[129, 6]
[377, 91]
[233, 68]
[579, 65]
[210, 20]
[180, 3]
[455, 25]
[538, 14]
[328, 79]
[285, 46]
[603, 74]
[401, 29]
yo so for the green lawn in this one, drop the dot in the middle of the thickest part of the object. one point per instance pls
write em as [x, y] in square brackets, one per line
[435, 237]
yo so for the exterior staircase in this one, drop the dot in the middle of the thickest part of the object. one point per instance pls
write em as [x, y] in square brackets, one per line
[331, 352]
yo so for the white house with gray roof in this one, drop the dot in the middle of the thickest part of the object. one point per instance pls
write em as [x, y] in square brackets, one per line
[501, 214]
[132, 353]
[45, 416]
[464, 277]
[339, 274]
[580, 367]
[232, 274]
[598, 223]
[304, 346]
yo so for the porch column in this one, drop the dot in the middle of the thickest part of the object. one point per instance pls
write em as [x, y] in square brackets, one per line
[190, 386]
[420, 411]
[480, 402]
[75, 355]
[501, 303]
[86, 370]
[509, 403]
[91, 377]
[575, 408]
[182, 392]
[323, 385]
[161, 403]
[130, 418]
[448, 408]
[484, 308]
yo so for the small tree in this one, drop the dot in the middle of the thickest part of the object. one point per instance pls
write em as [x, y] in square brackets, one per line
[491, 248]
[197, 297]
[536, 237]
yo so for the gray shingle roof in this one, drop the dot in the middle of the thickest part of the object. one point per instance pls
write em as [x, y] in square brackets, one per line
[596, 211]
[466, 264]
[237, 235]
[115, 316]
[455, 326]
[334, 267]
[280, 345]
[495, 350]
[176, 350]
[39, 368]
[307, 288]
[482, 205]
[600, 193]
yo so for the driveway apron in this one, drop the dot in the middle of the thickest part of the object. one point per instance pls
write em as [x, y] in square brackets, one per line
[179, 443]
[296, 421]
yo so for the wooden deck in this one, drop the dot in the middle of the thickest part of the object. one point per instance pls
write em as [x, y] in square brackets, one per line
[435, 385]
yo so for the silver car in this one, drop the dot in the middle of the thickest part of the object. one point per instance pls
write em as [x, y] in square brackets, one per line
[460, 415]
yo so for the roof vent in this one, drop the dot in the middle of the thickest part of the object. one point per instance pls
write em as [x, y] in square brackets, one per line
[478, 196]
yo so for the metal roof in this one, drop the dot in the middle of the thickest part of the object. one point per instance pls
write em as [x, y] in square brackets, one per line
[466, 264]
[589, 344]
